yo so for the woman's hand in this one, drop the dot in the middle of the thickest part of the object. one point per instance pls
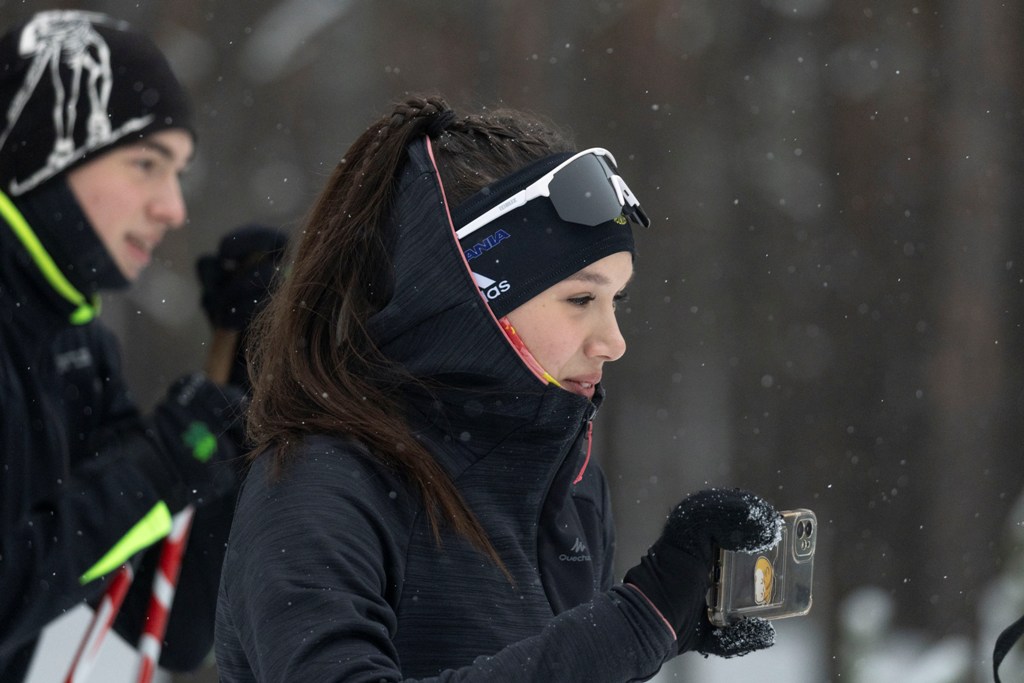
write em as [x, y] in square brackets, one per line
[674, 575]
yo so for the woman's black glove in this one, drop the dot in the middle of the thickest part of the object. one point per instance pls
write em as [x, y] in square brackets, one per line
[675, 573]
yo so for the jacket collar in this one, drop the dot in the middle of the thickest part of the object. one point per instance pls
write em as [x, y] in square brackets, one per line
[29, 255]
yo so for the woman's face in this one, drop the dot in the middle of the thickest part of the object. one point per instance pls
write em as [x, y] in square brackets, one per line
[571, 329]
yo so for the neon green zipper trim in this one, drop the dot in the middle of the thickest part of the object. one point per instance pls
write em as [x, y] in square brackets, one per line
[85, 310]
[147, 531]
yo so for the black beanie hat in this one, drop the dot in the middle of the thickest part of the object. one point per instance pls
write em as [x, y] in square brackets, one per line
[116, 87]
[530, 249]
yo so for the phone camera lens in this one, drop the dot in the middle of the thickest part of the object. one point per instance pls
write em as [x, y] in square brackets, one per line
[803, 541]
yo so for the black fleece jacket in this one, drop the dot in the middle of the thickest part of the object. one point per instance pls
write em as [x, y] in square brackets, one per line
[332, 573]
[79, 470]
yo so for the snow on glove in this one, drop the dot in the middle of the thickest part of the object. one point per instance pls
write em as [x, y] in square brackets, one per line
[236, 280]
[675, 573]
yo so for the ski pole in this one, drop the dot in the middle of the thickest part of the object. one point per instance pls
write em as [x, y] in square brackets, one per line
[85, 658]
[165, 582]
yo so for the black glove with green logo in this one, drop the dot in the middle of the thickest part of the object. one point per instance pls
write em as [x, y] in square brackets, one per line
[197, 431]
[675, 574]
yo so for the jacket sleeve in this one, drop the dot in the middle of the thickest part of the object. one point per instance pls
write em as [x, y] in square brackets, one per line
[305, 596]
[46, 552]
[116, 500]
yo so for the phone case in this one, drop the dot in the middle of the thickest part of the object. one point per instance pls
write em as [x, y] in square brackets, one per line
[773, 584]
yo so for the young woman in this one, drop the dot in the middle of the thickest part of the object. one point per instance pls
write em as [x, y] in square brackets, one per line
[423, 504]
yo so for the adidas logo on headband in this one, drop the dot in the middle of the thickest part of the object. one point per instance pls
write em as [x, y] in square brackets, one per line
[491, 288]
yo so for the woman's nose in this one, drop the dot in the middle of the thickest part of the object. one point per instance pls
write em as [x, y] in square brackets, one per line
[608, 342]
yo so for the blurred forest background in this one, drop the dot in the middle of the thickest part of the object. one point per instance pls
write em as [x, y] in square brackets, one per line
[828, 304]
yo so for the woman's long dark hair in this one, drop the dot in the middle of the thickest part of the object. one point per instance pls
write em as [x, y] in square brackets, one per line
[314, 367]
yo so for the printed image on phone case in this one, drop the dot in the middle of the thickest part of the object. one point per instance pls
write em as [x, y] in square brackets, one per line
[764, 581]
[757, 581]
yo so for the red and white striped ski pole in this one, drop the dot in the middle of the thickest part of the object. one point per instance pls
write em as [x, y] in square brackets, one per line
[165, 582]
[110, 604]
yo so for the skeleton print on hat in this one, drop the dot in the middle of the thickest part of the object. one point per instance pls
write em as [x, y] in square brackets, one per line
[73, 83]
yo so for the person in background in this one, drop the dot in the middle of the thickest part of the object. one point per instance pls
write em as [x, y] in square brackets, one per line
[422, 501]
[95, 132]
[236, 282]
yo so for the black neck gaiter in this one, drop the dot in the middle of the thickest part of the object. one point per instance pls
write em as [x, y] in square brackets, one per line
[55, 216]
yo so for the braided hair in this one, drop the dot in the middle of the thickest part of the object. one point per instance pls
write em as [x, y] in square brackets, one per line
[314, 367]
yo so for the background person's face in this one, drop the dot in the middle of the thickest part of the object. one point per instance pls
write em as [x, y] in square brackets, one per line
[571, 329]
[132, 196]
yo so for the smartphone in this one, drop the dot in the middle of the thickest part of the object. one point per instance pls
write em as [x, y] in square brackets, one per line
[773, 584]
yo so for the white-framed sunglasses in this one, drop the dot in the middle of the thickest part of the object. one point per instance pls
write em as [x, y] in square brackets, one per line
[584, 189]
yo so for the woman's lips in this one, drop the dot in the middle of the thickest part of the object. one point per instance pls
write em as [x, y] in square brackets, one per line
[583, 387]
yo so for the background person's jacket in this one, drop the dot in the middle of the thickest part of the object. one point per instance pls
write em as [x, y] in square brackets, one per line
[79, 487]
[332, 572]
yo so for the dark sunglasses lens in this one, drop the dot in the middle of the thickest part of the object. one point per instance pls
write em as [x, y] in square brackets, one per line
[582, 192]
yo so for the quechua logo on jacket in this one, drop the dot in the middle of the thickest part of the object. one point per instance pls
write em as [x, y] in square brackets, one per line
[578, 552]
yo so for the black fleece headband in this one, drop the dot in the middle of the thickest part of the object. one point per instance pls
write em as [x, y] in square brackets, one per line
[524, 252]
[74, 84]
